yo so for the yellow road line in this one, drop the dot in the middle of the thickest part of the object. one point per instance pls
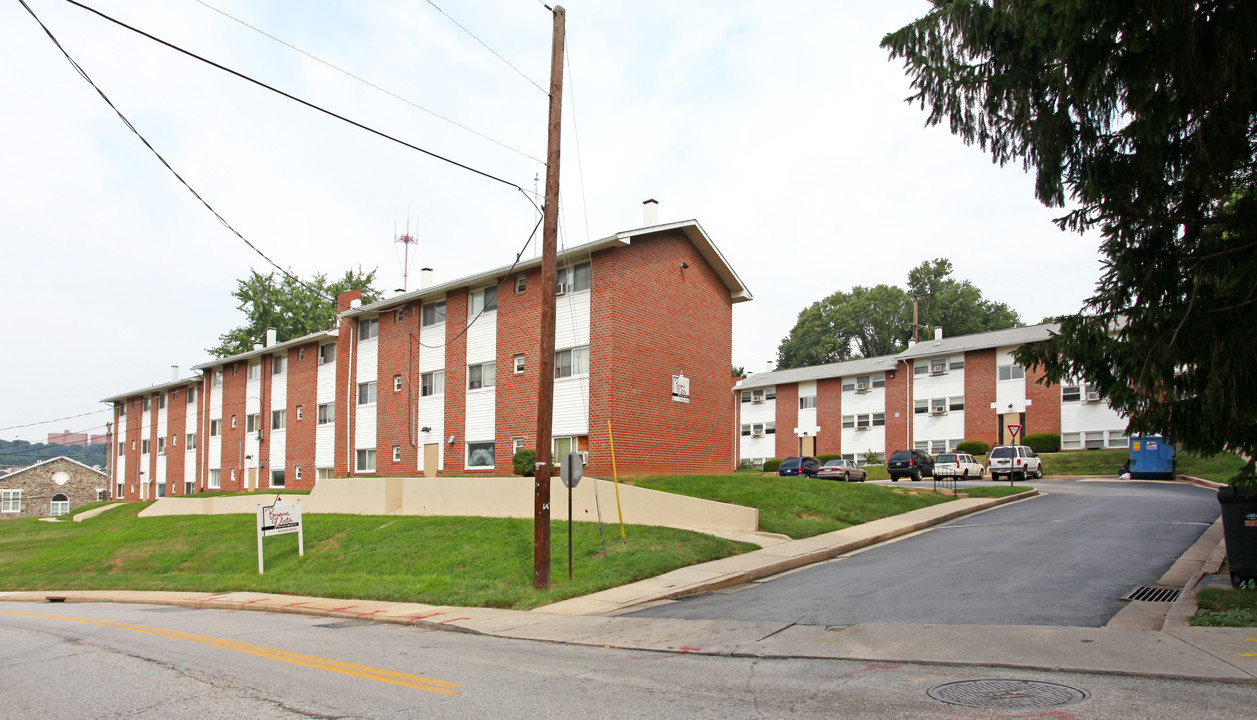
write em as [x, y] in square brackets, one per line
[386, 676]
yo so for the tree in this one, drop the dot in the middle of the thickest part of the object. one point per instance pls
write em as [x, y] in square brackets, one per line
[294, 308]
[869, 322]
[1143, 115]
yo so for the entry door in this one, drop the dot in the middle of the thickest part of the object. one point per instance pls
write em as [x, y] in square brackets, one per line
[431, 456]
[253, 479]
[807, 446]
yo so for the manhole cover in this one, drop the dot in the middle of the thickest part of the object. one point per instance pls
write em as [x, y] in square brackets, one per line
[1007, 694]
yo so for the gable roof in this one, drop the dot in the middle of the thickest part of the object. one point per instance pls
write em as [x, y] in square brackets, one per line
[269, 349]
[883, 363]
[194, 380]
[29, 468]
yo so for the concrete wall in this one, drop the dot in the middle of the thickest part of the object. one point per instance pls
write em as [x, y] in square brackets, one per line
[485, 497]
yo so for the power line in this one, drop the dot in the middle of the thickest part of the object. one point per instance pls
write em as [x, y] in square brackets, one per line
[369, 83]
[277, 91]
[486, 47]
[46, 422]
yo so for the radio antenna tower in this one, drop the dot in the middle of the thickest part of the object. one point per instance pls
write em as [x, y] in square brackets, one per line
[405, 241]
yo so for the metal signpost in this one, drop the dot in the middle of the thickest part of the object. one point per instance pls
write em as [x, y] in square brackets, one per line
[280, 519]
[1013, 430]
[572, 471]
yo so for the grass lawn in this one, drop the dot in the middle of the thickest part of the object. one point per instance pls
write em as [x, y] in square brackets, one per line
[1219, 607]
[438, 560]
[802, 507]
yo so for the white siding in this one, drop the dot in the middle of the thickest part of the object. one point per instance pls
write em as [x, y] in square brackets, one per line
[278, 439]
[120, 461]
[365, 416]
[807, 418]
[571, 403]
[1008, 392]
[253, 406]
[214, 446]
[571, 323]
[325, 435]
[189, 460]
[431, 415]
[481, 423]
[751, 447]
[432, 347]
[855, 441]
[481, 341]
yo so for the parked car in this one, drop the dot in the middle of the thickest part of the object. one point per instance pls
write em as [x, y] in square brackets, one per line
[1014, 461]
[791, 466]
[958, 465]
[845, 470]
[913, 464]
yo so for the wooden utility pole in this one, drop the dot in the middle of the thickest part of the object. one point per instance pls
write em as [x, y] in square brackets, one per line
[545, 362]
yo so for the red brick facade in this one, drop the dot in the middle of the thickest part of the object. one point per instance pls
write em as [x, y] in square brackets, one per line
[303, 413]
[981, 421]
[829, 416]
[1043, 414]
[787, 420]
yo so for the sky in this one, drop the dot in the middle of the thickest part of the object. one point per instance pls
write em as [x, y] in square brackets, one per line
[780, 127]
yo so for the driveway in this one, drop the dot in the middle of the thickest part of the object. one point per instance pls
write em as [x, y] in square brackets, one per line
[1064, 558]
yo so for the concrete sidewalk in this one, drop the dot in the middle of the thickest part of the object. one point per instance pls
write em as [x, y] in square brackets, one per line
[1211, 654]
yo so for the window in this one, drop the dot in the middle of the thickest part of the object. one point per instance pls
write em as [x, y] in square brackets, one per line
[938, 365]
[368, 329]
[327, 354]
[327, 413]
[279, 419]
[879, 419]
[218, 378]
[60, 505]
[144, 446]
[433, 383]
[1071, 393]
[235, 368]
[146, 404]
[519, 363]
[957, 363]
[300, 412]
[397, 453]
[956, 404]
[481, 376]
[122, 449]
[132, 444]
[161, 489]
[215, 479]
[1118, 439]
[297, 472]
[746, 430]
[1093, 440]
[848, 421]
[485, 300]
[574, 278]
[517, 444]
[366, 393]
[879, 382]
[189, 487]
[301, 354]
[161, 446]
[920, 407]
[400, 315]
[920, 368]
[323, 473]
[233, 476]
[1071, 441]
[571, 362]
[922, 445]
[807, 402]
[938, 446]
[770, 393]
[365, 460]
[862, 381]
[757, 396]
[746, 396]
[255, 371]
[863, 421]
[252, 422]
[770, 428]
[397, 383]
[190, 441]
[11, 501]
[521, 283]
[191, 395]
[1011, 372]
[277, 478]
[233, 422]
[480, 455]
[938, 405]
[216, 427]
[161, 402]
[279, 364]
[433, 313]
[757, 429]
[122, 411]
[848, 386]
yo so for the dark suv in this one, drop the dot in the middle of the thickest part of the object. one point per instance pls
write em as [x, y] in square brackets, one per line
[909, 463]
[808, 466]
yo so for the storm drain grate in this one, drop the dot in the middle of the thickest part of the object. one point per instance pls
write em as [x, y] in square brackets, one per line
[1147, 593]
[1007, 694]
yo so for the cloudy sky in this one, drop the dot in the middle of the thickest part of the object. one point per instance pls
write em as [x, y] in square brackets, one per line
[780, 127]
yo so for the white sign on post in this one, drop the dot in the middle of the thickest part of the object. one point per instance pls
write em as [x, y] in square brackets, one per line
[680, 388]
[280, 519]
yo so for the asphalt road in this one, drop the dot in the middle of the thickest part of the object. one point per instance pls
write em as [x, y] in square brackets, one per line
[80, 661]
[1063, 559]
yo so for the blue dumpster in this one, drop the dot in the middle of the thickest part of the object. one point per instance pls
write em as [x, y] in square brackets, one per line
[1151, 458]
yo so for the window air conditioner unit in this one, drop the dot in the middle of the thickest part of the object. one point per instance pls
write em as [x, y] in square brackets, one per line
[758, 434]
[1093, 396]
[757, 401]
[560, 288]
[938, 411]
[321, 360]
[938, 370]
[861, 387]
[584, 457]
[861, 427]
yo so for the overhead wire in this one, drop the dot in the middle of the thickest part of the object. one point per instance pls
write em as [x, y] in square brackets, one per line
[486, 47]
[47, 422]
[369, 83]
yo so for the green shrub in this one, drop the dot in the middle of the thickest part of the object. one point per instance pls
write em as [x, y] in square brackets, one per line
[525, 462]
[826, 458]
[772, 465]
[973, 447]
[871, 458]
[1043, 442]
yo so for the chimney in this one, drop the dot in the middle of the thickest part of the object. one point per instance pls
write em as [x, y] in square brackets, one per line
[425, 278]
[938, 334]
[768, 366]
[257, 346]
[174, 373]
[355, 303]
[650, 213]
[271, 334]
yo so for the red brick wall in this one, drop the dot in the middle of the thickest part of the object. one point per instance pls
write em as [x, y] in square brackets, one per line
[456, 384]
[829, 416]
[234, 377]
[303, 381]
[398, 351]
[346, 386]
[135, 432]
[1043, 415]
[899, 408]
[176, 439]
[787, 442]
[981, 422]
[651, 319]
[263, 460]
[519, 318]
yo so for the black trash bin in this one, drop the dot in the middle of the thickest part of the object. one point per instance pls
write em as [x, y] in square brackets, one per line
[1239, 526]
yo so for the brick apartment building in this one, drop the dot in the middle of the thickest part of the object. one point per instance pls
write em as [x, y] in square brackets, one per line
[443, 380]
[932, 396]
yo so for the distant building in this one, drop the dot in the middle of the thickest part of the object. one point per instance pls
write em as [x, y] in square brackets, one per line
[50, 488]
[69, 438]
